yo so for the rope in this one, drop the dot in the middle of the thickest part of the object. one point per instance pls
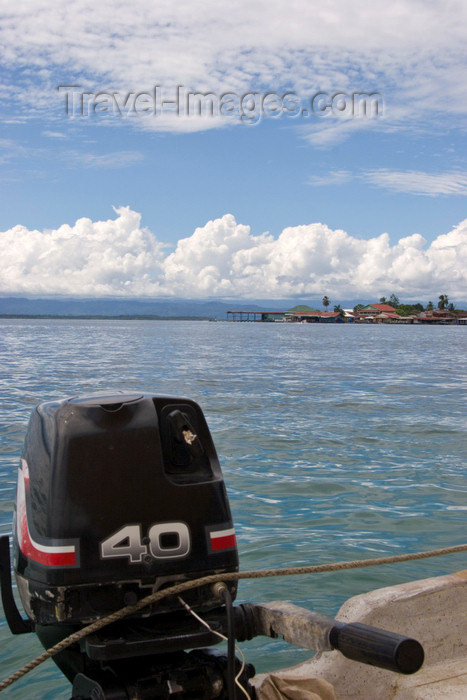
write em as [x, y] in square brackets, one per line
[214, 578]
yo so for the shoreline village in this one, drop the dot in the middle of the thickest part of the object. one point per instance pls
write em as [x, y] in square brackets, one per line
[370, 313]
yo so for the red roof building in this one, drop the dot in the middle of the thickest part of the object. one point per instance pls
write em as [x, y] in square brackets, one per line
[375, 309]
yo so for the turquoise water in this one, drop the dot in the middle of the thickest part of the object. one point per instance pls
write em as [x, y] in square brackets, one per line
[336, 443]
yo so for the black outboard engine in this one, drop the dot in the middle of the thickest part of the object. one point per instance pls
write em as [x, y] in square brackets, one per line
[118, 497]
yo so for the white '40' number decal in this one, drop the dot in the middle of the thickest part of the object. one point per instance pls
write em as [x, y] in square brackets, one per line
[164, 541]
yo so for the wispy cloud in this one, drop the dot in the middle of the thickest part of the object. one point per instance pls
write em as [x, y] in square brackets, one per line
[333, 177]
[113, 161]
[418, 182]
[54, 134]
[413, 53]
[407, 181]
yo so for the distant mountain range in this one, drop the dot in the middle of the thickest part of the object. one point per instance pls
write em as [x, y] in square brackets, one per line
[163, 308]
[19, 306]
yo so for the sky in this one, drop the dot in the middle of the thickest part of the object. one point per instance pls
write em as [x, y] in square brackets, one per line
[234, 150]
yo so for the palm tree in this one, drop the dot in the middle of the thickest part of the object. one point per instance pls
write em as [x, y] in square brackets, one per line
[326, 302]
[338, 308]
[443, 301]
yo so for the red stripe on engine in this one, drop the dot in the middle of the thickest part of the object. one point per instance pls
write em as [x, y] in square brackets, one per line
[46, 555]
[223, 539]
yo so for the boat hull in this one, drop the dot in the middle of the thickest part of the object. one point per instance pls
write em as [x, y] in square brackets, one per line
[433, 610]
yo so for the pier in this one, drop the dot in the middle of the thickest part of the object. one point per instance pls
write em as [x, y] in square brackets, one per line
[249, 316]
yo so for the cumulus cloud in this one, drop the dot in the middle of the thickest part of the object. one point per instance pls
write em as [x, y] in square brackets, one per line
[99, 258]
[224, 259]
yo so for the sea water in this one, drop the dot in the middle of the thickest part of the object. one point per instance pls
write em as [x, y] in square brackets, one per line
[337, 442]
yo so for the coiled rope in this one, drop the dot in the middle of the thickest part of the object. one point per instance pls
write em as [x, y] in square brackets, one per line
[214, 578]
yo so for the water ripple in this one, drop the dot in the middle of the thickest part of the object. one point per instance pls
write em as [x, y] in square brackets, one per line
[336, 443]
